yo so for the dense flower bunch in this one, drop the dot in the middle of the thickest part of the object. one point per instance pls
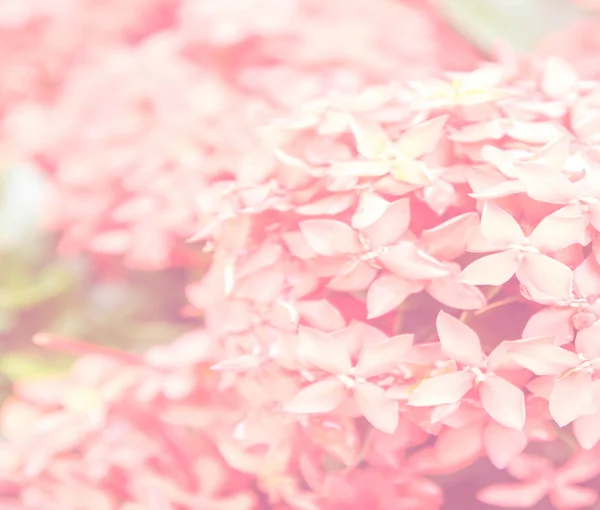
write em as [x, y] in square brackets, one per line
[403, 283]
[147, 102]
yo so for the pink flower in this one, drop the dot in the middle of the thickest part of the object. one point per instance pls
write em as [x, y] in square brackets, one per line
[503, 401]
[521, 255]
[572, 391]
[375, 355]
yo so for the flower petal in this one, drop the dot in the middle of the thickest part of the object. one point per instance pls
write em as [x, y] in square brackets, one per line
[559, 230]
[545, 359]
[513, 495]
[371, 140]
[503, 401]
[499, 226]
[503, 444]
[322, 351]
[494, 269]
[586, 430]
[587, 341]
[379, 411]
[421, 139]
[376, 359]
[407, 261]
[548, 275]
[442, 389]
[370, 208]
[571, 397]
[455, 294]
[387, 292]
[320, 397]
[330, 237]
[458, 341]
[391, 225]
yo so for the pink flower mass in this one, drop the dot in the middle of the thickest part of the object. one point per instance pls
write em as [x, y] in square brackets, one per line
[391, 252]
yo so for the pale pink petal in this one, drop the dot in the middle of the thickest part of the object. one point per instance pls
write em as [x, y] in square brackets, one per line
[320, 397]
[370, 208]
[459, 342]
[371, 139]
[392, 224]
[458, 448]
[448, 240]
[455, 294]
[494, 269]
[503, 401]
[380, 357]
[388, 292]
[330, 237]
[558, 78]
[359, 277]
[379, 411]
[241, 363]
[571, 397]
[499, 226]
[321, 314]
[442, 389]
[587, 341]
[569, 497]
[545, 185]
[503, 444]
[513, 495]
[548, 275]
[545, 359]
[322, 351]
[422, 139]
[559, 230]
[581, 467]
[550, 321]
[586, 430]
[407, 261]
[330, 205]
[587, 276]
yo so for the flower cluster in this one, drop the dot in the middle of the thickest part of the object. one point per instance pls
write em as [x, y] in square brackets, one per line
[403, 283]
[147, 102]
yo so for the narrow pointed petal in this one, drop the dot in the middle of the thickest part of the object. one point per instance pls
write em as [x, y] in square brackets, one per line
[458, 341]
[422, 139]
[587, 341]
[571, 397]
[370, 208]
[378, 358]
[513, 495]
[570, 497]
[379, 411]
[388, 292]
[442, 389]
[455, 294]
[586, 430]
[499, 226]
[392, 224]
[503, 401]
[320, 350]
[545, 359]
[548, 275]
[559, 230]
[371, 139]
[407, 261]
[320, 397]
[330, 237]
[494, 269]
[503, 444]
